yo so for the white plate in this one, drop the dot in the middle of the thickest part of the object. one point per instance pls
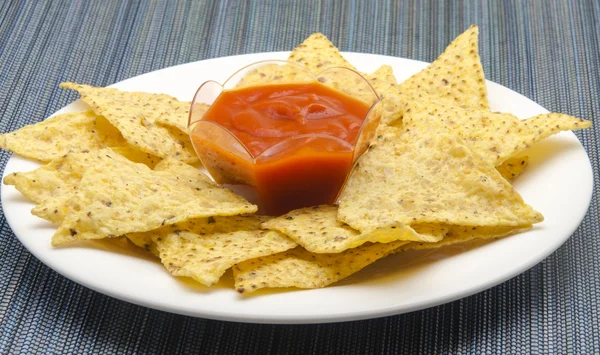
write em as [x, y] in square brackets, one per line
[558, 183]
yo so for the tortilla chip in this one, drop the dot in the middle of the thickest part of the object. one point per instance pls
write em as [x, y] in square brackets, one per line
[179, 121]
[204, 249]
[36, 185]
[321, 58]
[61, 134]
[495, 136]
[55, 210]
[384, 82]
[116, 198]
[53, 186]
[182, 173]
[317, 53]
[455, 78]
[134, 114]
[345, 81]
[430, 178]
[144, 241]
[349, 83]
[272, 73]
[183, 140]
[463, 234]
[137, 156]
[318, 231]
[58, 177]
[513, 167]
[302, 269]
[383, 74]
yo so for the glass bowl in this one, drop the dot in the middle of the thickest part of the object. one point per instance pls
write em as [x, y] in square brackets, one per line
[297, 170]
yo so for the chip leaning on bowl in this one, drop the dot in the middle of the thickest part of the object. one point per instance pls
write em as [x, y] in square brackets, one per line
[437, 172]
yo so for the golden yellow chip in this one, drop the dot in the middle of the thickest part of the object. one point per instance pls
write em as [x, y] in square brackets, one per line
[58, 177]
[495, 136]
[55, 210]
[462, 234]
[134, 114]
[455, 78]
[513, 167]
[179, 121]
[317, 53]
[302, 269]
[384, 82]
[318, 230]
[384, 74]
[36, 185]
[430, 178]
[137, 156]
[182, 173]
[274, 74]
[144, 241]
[204, 249]
[115, 198]
[57, 182]
[61, 134]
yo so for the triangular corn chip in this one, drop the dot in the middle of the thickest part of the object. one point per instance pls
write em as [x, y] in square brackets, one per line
[116, 198]
[495, 136]
[513, 167]
[455, 78]
[53, 186]
[318, 231]
[431, 178]
[144, 241]
[61, 134]
[182, 173]
[58, 177]
[302, 269]
[55, 210]
[384, 82]
[137, 156]
[385, 74]
[317, 53]
[204, 249]
[272, 73]
[179, 121]
[135, 114]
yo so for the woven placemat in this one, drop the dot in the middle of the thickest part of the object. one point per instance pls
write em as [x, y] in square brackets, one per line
[545, 50]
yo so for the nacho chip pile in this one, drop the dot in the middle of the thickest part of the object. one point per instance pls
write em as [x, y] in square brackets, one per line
[438, 173]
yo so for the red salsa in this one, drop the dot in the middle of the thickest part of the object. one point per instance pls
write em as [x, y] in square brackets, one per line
[308, 171]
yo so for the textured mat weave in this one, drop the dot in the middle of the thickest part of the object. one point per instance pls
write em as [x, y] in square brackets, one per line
[546, 50]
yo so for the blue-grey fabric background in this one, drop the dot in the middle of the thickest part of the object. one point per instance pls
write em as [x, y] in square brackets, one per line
[546, 50]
